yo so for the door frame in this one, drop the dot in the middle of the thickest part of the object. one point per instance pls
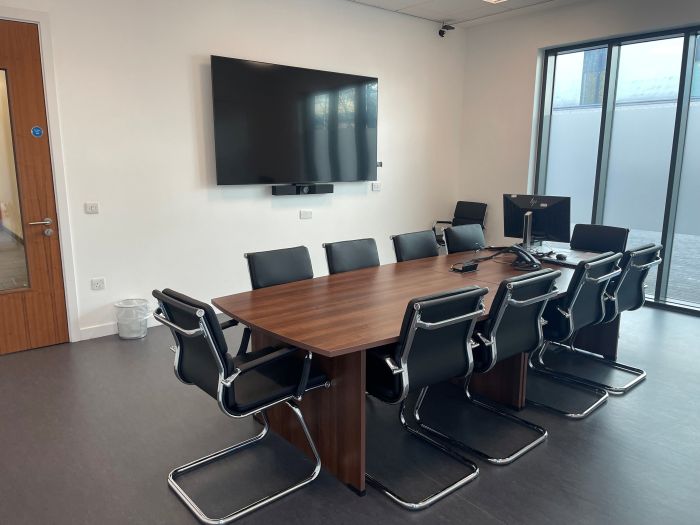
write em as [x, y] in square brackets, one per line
[60, 182]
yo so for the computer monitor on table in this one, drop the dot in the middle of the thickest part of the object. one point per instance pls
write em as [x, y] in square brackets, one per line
[536, 218]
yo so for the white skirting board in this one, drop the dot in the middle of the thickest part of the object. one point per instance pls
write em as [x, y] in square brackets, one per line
[102, 330]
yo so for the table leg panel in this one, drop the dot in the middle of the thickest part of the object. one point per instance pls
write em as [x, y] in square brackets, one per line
[600, 339]
[505, 383]
[335, 417]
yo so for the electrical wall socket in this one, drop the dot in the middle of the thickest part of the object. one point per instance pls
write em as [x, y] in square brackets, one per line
[92, 208]
[305, 214]
[376, 186]
[98, 283]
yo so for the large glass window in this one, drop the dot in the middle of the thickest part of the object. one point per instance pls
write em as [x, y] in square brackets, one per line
[618, 125]
[575, 128]
[641, 144]
[684, 274]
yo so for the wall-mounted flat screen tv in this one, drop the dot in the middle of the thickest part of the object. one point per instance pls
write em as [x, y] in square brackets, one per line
[279, 124]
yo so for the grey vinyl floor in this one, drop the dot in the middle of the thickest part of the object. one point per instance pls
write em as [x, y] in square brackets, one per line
[89, 431]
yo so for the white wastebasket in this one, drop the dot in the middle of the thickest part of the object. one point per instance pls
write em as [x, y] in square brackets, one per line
[132, 318]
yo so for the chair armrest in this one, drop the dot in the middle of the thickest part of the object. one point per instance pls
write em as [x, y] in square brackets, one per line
[395, 369]
[247, 366]
[305, 372]
[245, 339]
[441, 222]
[158, 316]
[603, 278]
[229, 324]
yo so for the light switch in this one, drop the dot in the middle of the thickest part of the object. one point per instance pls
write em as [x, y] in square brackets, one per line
[92, 208]
[305, 214]
[376, 186]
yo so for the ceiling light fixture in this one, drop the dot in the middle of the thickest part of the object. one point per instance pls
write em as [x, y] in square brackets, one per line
[495, 1]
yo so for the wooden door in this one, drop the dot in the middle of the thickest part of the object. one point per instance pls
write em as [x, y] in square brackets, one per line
[32, 298]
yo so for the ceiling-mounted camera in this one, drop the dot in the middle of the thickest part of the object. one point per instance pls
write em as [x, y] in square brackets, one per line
[444, 29]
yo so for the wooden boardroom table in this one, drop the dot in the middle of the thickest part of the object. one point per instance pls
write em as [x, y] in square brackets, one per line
[339, 317]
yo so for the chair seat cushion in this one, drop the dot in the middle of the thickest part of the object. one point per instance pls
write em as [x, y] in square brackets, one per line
[381, 383]
[269, 382]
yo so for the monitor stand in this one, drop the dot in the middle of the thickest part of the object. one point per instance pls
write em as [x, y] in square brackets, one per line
[527, 231]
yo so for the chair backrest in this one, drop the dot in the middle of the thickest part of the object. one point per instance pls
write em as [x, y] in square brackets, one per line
[467, 237]
[417, 245]
[627, 292]
[469, 213]
[599, 238]
[514, 324]
[435, 344]
[283, 266]
[345, 256]
[585, 297]
[201, 353]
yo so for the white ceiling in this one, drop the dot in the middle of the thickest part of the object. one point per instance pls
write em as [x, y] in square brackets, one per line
[457, 12]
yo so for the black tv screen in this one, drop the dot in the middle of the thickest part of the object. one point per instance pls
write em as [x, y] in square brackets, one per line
[279, 124]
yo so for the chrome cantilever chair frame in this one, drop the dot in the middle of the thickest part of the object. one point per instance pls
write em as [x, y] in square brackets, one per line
[612, 297]
[225, 383]
[536, 361]
[639, 374]
[492, 344]
[402, 370]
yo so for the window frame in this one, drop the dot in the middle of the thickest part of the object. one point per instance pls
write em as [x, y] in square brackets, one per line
[691, 40]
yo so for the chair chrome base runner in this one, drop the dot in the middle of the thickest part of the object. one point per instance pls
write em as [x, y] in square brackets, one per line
[601, 395]
[540, 365]
[437, 496]
[495, 461]
[203, 518]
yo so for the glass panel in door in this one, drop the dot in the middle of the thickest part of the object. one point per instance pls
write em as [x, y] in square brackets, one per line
[13, 260]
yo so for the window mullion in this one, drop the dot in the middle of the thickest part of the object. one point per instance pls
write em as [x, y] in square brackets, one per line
[545, 122]
[606, 123]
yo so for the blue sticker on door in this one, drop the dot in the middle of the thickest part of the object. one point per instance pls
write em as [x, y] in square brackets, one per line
[37, 131]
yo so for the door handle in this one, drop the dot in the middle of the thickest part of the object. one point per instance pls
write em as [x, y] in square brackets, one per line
[46, 222]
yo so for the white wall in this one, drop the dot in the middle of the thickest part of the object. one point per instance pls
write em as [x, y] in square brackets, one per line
[134, 109]
[501, 84]
[133, 90]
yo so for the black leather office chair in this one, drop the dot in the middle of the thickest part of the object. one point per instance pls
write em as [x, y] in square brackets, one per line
[283, 266]
[514, 326]
[273, 267]
[583, 305]
[627, 292]
[624, 292]
[599, 238]
[435, 345]
[465, 213]
[345, 256]
[242, 385]
[417, 245]
[464, 238]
